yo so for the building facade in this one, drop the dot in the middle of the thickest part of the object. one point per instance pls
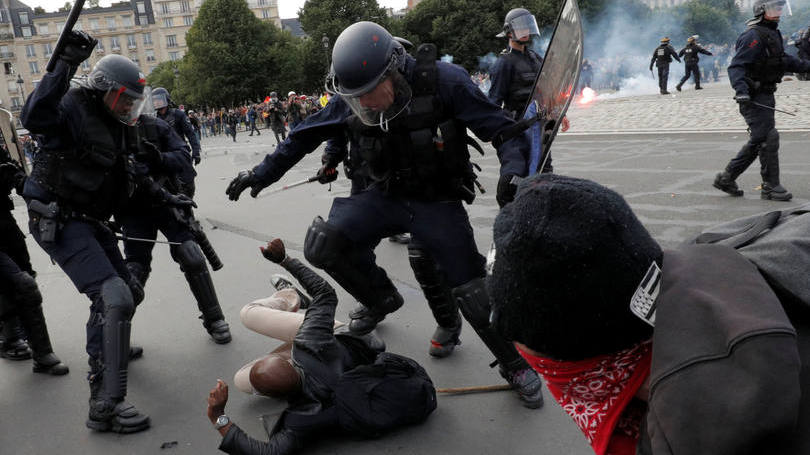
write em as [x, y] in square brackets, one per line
[147, 31]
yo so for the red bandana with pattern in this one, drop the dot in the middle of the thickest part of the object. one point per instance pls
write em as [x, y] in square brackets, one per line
[598, 394]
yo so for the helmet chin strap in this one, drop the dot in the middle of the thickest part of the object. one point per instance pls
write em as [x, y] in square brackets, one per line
[383, 122]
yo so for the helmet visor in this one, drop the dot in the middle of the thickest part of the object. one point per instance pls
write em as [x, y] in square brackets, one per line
[160, 100]
[777, 8]
[523, 27]
[127, 105]
[382, 102]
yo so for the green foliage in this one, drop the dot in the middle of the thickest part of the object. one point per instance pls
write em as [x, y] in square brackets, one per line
[39, 10]
[230, 55]
[66, 7]
[713, 24]
[163, 76]
[328, 18]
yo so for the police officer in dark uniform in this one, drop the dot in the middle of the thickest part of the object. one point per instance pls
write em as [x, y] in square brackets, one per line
[406, 121]
[83, 173]
[662, 57]
[803, 46]
[691, 57]
[167, 157]
[758, 65]
[20, 299]
[178, 120]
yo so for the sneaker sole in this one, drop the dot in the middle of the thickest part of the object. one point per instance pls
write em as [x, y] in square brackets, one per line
[737, 193]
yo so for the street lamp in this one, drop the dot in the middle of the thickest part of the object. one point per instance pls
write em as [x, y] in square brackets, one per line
[20, 82]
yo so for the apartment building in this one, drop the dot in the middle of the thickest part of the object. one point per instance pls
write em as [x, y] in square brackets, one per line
[147, 31]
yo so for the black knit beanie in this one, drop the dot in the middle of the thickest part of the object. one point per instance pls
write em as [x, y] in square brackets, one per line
[570, 253]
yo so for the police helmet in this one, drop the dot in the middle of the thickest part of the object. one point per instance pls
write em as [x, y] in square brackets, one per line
[364, 56]
[771, 8]
[665, 40]
[520, 23]
[123, 84]
[161, 98]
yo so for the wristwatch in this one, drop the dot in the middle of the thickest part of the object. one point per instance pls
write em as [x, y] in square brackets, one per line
[222, 421]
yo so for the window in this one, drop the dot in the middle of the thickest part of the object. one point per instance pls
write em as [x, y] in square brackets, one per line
[94, 24]
[61, 25]
[114, 43]
[168, 21]
[34, 67]
[141, 8]
[23, 17]
[126, 21]
[26, 31]
[265, 14]
[150, 55]
[8, 67]
[173, 56]
[171, 40]
[131, 41]
[13, 87]
[188, 20]
[164, 8]
[30, 51]
[110, 23]
[147, 39]
[43, 29]
[47, 49]
[4, 16]
[15, 102]
[184, 6]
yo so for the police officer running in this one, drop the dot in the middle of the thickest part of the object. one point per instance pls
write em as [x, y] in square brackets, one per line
[691, 57]
[662, 57]
[83, 173]
[758, 65]
[398, 113]
[178, 120]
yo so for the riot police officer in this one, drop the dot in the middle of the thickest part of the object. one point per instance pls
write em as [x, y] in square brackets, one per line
[662, 57]
[758, 65]
[83, 173]
[397, 113]
[20, 299]
[516, 69]
[691, 57]
[167, 159]
[178, 120]
[803, 46]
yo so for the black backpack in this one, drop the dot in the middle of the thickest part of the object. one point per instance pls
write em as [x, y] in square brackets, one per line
[391, 392]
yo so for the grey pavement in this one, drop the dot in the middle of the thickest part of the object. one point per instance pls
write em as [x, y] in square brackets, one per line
[666, 178]
[710, 109]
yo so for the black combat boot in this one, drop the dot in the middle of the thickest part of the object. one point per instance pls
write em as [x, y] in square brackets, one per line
[726, 184]
[12, 344]
[775, 193]
[526, 382]
[365, 319]
[678, 87]
[50, 364]
[112, 414]
[445, 340]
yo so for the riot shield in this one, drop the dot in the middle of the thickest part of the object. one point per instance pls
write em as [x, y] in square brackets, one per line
[8, 136]
[556, 82]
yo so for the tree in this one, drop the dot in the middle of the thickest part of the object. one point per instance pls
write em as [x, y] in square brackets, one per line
[39, 10]
[92, 3]
[229, 57]
[66, 7]
[164, 75]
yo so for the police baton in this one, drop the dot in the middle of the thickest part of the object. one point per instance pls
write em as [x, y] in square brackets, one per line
[75, 11]
[772, 108]
[138, 239]
[291, 185]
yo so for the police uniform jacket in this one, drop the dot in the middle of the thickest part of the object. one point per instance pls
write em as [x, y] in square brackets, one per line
[456, 96]
[663, 55]
[513, 78]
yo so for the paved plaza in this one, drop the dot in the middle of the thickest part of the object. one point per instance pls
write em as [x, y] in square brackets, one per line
[665, 177]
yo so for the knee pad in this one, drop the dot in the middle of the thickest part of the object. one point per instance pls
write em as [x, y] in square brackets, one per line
[117, 297]
[26, 289]
[473, 301]
[189, 256]
[139, 271]
[324, 244]
[424, 267]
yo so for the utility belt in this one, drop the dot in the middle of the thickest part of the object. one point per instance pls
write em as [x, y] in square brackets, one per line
[50, 218]
[757, 87]
[404, 184]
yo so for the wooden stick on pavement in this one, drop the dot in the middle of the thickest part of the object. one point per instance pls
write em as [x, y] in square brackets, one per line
[475, 389]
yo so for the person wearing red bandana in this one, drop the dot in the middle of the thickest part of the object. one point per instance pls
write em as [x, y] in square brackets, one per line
[683, 351]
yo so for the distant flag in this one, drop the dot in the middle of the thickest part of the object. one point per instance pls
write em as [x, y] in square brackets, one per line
[267, 100]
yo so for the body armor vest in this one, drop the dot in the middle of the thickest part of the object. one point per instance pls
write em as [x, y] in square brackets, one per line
[92, 178]
[173, 121]
[769, 70]
[662, 57]
[423, 155]
[691, 54]
[525, 68]
[147, 130]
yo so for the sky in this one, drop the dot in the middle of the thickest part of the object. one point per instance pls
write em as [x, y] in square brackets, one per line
[286, 8]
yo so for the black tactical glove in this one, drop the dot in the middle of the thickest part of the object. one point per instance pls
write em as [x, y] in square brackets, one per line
[196, 159]
[743, 98]
[78, 47]
[506, 190]
[241, 182]
[150, 155]
[179, 200]
[327, 174]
